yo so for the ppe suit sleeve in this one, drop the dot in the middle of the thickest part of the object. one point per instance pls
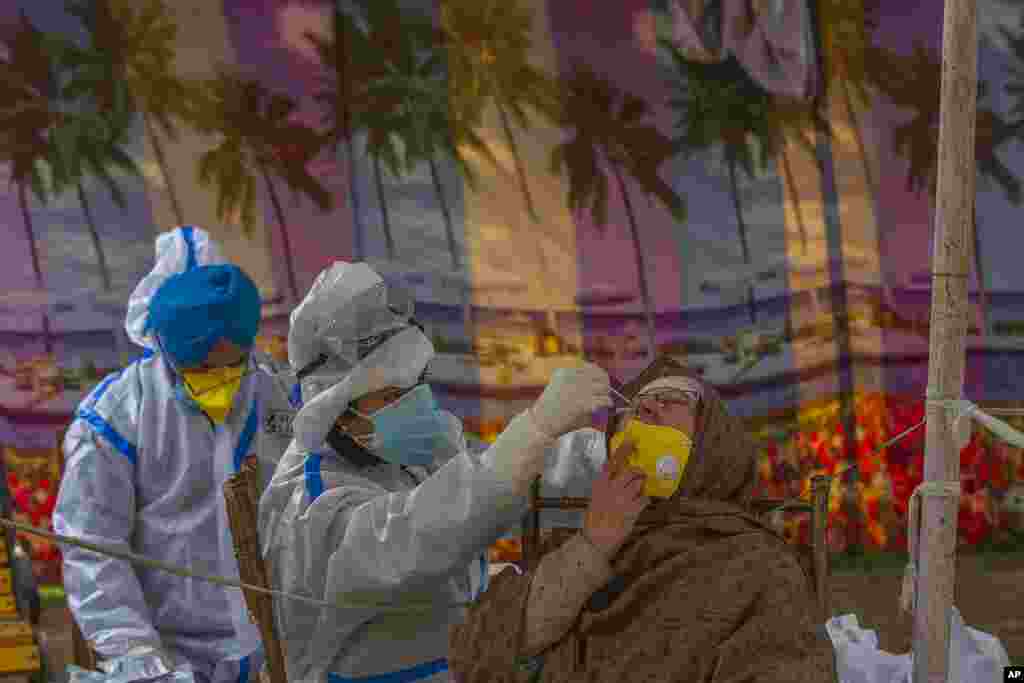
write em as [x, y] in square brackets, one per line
[96, 503]
[374, 541]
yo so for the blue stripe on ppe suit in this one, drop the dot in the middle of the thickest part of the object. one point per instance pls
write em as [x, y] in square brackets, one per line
[410, 675]
[188, 234]
[101, 426]
[394, 530]
[252, 423]
[140, 476]
[243, 669]
[329, 489]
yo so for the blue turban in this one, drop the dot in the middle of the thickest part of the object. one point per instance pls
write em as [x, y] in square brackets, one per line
[194, 310]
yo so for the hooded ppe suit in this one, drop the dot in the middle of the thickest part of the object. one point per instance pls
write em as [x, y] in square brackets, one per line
[341, 525]
[144, 470]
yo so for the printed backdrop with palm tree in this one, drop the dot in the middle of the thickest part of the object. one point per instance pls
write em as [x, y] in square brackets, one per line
[259, 140]
[611, 139]
[426, 107]
[26, 88]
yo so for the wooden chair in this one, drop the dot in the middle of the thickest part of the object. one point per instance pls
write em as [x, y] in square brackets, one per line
[815, 562]
[81, 653]
[242, 493]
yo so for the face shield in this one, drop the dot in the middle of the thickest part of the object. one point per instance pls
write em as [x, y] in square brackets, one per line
[346, 313]
[353, 334]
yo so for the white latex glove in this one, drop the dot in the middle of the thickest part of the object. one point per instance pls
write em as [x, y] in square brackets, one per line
[570, 398]
[518, 454]
[141, 662]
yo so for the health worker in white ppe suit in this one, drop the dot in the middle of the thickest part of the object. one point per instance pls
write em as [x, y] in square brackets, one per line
[378, 504]
[147, 454]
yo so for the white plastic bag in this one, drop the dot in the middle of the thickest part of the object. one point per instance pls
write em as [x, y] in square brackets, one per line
[858, 659]
[974, 656]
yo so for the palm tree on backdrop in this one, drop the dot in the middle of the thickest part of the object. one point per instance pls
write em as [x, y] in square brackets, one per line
[853, 63]
[351, 58]
[610, 134]
[847, 59]
[80, 151]
[26, 87]
[718, 103]
[258, 138]
[385, 148]
[131, 44]
[488, 44]
[411, 101]
[346, 62]
[88, 138]
[909, 82]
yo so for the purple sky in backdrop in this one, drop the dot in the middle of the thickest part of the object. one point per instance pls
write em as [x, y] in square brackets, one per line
[317, 239]
[606, 41]
[905, 217]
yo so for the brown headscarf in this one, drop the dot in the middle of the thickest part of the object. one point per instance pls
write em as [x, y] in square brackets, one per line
[721, 473]
[703, 591]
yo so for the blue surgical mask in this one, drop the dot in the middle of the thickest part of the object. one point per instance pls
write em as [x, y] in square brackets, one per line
[410, 431]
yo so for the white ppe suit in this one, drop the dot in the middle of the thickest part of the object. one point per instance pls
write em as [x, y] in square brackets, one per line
[403, 547]
[144, 473]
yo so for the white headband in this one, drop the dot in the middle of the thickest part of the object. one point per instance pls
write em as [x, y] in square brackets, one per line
[678, 382]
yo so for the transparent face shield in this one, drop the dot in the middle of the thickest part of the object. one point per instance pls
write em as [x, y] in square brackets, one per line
[364, 322]
[660, 399]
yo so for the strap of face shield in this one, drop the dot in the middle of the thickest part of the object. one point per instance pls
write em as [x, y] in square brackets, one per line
[362, 324]
[372, 327]
[384, 324]
[365, 348]
[348, 448]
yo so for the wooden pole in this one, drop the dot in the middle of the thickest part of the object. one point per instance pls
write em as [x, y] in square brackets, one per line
[821, 487]
[954, 203]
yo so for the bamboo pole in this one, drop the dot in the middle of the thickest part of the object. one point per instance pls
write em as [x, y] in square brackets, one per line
[821, 487]
[241, 494]
[954, 203]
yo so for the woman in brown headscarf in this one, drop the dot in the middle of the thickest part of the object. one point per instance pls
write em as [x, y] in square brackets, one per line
[699, 591]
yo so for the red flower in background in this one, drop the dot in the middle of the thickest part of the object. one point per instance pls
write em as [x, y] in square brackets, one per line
[891, 474]
[23, 500]
[824, 457]
[973, 523]
[876, 534]
[901, 486]
[970, 454]
[999, 475]
[44, 501]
